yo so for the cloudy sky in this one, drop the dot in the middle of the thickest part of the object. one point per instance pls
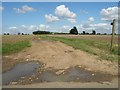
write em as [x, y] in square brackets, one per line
[27, 17]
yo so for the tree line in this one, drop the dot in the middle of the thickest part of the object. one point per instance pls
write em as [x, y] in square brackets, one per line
[71, 31]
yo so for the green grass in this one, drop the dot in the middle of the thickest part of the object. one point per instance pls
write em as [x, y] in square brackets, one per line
[99, 48]
[9, 48]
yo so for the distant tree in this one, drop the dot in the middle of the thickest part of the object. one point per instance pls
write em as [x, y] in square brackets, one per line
[4, 33]
[8, 33]
[74, 31]
[93, 32]
[18, 33]
[22, 33]
[83, 32]
[98, 33]
[41, 32]
[87, 33]
[105, 34]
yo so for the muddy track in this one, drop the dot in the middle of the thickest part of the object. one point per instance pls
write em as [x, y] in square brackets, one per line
[57, 55]
[60, 56]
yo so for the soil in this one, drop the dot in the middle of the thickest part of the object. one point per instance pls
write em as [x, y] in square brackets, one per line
[57, 55]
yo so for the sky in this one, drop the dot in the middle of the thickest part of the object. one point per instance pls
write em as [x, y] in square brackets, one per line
[26, 17]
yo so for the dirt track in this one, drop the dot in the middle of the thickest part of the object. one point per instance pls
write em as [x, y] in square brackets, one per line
[60, 56]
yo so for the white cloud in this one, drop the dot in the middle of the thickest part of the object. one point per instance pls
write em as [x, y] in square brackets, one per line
[28, 28]
[32, 27]
[64, 12]
[91, 19]
[99, 24]
[109, 13]
[51, 18]
[66, 27]
[87, 25]
[99, 27]
[72, 20]
[61, 12]
[24, 26]
[24, 9]
[83, 12]
[1, 8]
[12, 28]
[43, 27]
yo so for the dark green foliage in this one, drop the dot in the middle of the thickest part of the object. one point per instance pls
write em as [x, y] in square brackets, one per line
[87, 33]
[41, 32]
[84, 32]
[98, 34]
[105, 34]
[74, 31]
[93, 32]
[22, 33]
[18, 33]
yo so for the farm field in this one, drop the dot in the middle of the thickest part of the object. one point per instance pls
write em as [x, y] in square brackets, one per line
[94, 44]
[59, 53]
[60, 45]
[103, 38]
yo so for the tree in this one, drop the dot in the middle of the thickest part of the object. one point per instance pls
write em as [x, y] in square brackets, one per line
[98, 33]
[4, 33]
[74, 31]
[93, 32]
[83, 32]
[87, 33]
[8, 33]
[22, 33]
[18, 33]
[104, 33]
[41, 32]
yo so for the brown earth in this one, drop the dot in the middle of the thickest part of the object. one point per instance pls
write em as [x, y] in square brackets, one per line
[60, 56]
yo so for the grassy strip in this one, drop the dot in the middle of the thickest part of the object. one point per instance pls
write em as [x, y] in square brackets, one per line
[10, 48]
[102, 49]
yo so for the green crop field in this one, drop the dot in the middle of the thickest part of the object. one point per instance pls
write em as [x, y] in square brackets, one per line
[15, 43]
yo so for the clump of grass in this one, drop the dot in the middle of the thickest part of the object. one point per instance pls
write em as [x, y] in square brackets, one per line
[9, 48]
[102, 49]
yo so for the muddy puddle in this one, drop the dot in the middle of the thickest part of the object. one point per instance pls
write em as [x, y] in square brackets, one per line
[20, 70]
[74, 74]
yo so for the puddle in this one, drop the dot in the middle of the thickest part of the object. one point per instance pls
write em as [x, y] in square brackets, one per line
[20, 70]
[74, 74]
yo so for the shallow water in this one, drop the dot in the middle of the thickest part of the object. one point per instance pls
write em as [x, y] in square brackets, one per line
[20, 70]
[74, 74]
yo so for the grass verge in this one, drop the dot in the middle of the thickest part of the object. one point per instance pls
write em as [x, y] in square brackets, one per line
[101, 49]
[9, 48]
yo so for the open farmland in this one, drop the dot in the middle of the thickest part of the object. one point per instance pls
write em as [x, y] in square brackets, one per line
[93, 44]
[59, 54]
[15, 43]
[60, 44]
[16, 38]
[104, 38]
